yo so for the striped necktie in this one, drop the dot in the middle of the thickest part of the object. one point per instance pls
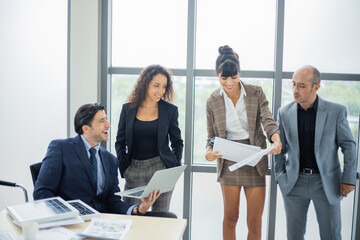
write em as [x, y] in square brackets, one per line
[93, 165]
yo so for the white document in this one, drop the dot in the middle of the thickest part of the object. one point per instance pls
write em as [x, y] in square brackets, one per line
[6, 235]
[101, 228]
[234, 151]
[252, 160]
[58, 233]
[57, 223]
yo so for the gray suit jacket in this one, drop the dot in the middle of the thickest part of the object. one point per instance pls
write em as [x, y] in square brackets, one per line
[257, 111]
[331, 132]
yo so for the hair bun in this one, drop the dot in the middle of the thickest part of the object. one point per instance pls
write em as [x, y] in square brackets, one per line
[226, 50]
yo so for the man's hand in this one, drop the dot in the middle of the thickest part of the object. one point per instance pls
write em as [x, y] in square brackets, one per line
[210, 155]
[146, 203]
[345, 189]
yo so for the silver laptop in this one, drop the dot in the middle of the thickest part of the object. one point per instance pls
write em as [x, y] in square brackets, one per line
[86, 212]
[163, 180]
[41, 211]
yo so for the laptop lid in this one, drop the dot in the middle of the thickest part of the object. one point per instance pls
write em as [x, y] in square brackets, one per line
[164, 180]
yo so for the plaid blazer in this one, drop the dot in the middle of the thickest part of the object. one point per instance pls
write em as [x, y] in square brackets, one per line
[257, 111]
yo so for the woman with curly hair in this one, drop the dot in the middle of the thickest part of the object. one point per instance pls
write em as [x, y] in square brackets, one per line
[238, 112]
[147, 122]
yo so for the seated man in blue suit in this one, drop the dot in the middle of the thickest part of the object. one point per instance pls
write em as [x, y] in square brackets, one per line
[79, 168]
[308, 168]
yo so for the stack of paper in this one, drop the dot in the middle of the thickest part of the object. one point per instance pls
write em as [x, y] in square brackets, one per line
[243, 154]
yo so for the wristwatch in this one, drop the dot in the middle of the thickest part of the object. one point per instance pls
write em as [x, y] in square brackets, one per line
[138, 213]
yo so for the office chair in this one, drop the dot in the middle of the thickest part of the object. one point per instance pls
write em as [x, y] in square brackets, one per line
[11, 184]
[35, 170]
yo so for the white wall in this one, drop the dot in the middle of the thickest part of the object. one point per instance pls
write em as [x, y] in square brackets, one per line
[33, 82]
[84, 54]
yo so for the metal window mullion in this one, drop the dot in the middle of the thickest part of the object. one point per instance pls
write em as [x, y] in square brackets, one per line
[68, 70]
[105, 58]
[355, 230]
[189, 117]
[137, 71]
[244, 73]
[278, 62]
[329, 76]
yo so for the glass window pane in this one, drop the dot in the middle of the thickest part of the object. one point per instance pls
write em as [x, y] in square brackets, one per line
[247, 26]
[148, 32]
[207, 195]
[344, 92]
[204, 86]
[324, 34]
[122, 86]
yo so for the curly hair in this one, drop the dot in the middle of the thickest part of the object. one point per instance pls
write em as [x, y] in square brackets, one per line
[138, 95]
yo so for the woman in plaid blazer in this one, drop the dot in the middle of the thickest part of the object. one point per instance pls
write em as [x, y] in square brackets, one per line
[236, 111]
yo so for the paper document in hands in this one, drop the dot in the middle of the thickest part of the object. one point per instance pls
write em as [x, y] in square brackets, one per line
[234, 151]
[252, 160]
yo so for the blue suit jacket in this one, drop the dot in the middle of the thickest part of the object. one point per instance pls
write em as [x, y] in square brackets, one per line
[66, 172]
[167, 127]
[331, 132]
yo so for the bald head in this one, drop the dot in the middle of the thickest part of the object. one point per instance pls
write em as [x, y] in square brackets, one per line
[308, 69]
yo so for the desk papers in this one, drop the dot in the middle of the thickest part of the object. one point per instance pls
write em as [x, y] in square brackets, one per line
[243, 154]
[100, 228]
[6, 235]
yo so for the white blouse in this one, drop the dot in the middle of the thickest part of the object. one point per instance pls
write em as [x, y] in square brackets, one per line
[236, 119]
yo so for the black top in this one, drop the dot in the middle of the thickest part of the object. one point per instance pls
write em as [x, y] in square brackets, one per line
[306, 130]
[145, 139]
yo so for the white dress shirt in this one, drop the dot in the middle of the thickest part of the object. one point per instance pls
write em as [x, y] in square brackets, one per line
[236, 119]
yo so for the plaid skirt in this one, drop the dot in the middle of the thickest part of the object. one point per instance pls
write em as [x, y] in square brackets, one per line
[245, 176]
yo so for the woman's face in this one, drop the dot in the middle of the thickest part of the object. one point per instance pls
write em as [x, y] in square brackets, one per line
[156, 88]
[230, 84]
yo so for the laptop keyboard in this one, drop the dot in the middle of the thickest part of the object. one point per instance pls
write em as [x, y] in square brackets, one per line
[57, 206]
[137, 194]
[82, 209]
[42, 209]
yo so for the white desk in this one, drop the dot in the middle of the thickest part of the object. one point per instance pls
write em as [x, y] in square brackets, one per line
[141, 228]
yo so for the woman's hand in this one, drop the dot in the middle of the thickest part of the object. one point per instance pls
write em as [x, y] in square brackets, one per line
[146, 203]
[276, 143]
[210, 155]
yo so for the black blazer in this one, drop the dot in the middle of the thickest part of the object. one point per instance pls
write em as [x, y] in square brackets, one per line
[167, 127]
[66, 172]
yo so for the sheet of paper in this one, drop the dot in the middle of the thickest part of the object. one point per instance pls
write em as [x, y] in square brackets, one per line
[100, 228]
[6, 235]
[253, 160]
[57, 223]
[234, 151]
[58, 233]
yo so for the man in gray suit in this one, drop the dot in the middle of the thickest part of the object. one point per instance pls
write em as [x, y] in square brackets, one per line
[308, 169]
